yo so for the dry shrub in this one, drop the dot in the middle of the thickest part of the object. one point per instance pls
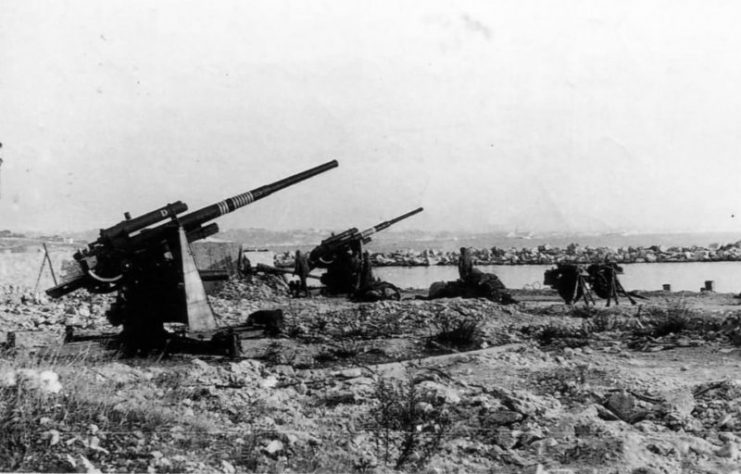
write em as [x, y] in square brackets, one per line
[457, 331]
[672, 319]
[557, 335]
[407, 428]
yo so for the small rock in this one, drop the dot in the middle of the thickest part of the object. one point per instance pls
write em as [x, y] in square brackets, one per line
[644, 470]
[227, 467]
[351, 373]
[52, 435]
[439, 392]
[269, 382]
[535, 469]
[726, 421]
[423, 407]
[622, 404]
[680, 401]
[84, 465]
[164, 464]
[503, 417]
[729, 450]
[201, 364]
[156, 454]
[284, 370]
[506, 438]
[45, 380]
[274, 447]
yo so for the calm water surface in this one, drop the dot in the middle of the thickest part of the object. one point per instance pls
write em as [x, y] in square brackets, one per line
[636, 276]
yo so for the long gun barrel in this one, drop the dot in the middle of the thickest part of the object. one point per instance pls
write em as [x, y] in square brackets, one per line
[235, 202]
[261, 267]
[194, 219]
[386, 224]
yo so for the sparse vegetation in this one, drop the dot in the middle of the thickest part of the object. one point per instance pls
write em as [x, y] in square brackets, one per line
[457, 331]
[407, 428]
[675, 319]
[559, 335]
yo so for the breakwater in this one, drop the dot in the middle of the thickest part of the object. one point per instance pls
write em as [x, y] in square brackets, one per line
[545, 254]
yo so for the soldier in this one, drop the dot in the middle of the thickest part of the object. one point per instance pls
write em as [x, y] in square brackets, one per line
[465, 265]
[301, 269]
[245, 266]
[366, 272]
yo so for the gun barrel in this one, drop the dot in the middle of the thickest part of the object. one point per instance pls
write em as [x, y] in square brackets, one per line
[261, 267]
[235, 202]
[202, 232]
[194, 219]
[386, 224]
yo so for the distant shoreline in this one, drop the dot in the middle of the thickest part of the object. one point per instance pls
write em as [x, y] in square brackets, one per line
[547, 255]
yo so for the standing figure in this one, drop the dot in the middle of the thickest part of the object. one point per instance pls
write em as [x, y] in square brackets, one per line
[465, 265]
[366, 272]
[343, 274]
[301, 270]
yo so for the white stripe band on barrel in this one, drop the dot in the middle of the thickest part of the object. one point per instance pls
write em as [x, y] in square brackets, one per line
[243, 199]
[223, 208]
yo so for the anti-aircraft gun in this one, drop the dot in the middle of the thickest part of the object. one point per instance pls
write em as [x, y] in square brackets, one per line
[150, 264]
[328, 250]
[341, 255]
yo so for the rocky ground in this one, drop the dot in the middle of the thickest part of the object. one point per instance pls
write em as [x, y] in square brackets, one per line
[438, 386]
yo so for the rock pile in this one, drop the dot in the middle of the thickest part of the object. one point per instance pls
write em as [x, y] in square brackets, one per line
[546, 254]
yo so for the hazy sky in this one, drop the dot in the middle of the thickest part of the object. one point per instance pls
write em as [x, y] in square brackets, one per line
[529, 115]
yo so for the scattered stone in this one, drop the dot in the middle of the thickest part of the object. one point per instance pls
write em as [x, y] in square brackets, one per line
[622, 404]
[274, 447]
[506, 438]
[84, 465]
[439, 393]
[423, 407]
[351, 373]
[52, 435]
[46, 381]
[729, 450]
[503, 417]
[679, 401]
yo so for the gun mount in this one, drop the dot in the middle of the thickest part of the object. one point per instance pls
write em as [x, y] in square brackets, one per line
[151, 266]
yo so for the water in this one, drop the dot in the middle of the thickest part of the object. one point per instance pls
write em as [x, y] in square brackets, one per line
[636, 276]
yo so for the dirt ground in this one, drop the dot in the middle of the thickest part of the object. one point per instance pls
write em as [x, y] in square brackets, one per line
[434, 386]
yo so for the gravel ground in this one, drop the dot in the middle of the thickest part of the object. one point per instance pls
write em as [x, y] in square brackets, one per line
[438, 386]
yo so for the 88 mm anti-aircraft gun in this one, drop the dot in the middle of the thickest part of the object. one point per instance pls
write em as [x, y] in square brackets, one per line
[342, 256]
[151, 267]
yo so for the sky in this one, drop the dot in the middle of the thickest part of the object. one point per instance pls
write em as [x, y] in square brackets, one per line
[569, 116]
